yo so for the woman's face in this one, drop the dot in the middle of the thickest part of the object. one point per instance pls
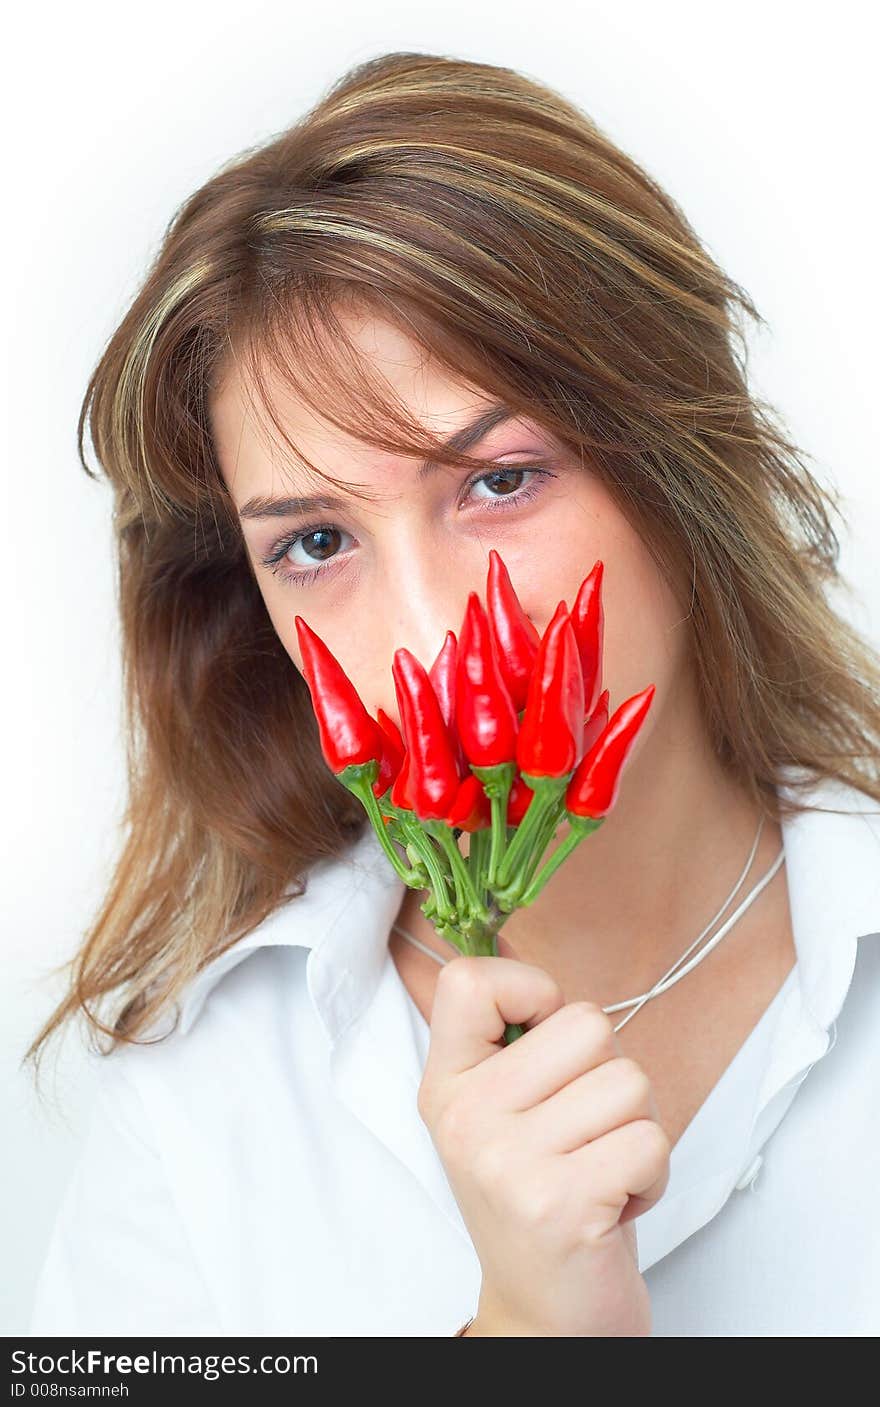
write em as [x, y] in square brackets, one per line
[369, 577]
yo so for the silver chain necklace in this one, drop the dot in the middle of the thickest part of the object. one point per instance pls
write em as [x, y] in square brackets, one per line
[676, 972]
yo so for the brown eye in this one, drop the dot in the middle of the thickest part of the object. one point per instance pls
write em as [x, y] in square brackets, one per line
[326, 540]
[515, 496]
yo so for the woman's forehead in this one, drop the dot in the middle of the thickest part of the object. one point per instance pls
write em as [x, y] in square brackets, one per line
[250, 444]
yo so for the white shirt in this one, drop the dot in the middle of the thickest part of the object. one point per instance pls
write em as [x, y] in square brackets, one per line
[264, 1169]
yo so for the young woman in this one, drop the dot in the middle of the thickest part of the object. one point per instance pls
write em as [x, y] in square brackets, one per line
[444, 313]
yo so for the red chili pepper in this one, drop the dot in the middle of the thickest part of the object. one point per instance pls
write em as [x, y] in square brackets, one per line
[549, 742]
[588, 622]
[516, 637]
[594, 787]
[392, 753]
[518, 800]
[442, 675]
[400, 794]
[434, 778]
[348, 734]
[472, 810]
[595, 724]
[468, 806]
[485, 716]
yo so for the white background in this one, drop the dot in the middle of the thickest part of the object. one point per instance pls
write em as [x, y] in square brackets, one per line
[759, 119]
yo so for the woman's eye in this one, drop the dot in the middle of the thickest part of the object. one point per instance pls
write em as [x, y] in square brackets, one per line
[313, 540]
[324, 538]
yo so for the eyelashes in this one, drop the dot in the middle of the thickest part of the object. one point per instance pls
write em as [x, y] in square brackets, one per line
[274, 562]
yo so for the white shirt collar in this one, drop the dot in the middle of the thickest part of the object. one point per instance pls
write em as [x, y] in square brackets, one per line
[833, 866]
[344, 918]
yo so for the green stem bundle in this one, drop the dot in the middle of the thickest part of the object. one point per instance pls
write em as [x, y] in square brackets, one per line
[469, 899]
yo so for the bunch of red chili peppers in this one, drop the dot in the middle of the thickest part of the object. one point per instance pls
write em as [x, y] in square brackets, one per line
[506, 736]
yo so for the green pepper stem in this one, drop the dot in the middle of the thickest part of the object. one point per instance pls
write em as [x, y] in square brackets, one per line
[581, 826]
[359, 778]
[546, 793]
[476, 860]
[546, 832]
[468, 923]
[424, 846]
[466, 896]
[497, 781]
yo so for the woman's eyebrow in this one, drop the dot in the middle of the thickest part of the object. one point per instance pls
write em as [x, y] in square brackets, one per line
[267, 507]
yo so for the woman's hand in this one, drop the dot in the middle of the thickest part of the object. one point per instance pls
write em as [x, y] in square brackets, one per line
[551, 1146]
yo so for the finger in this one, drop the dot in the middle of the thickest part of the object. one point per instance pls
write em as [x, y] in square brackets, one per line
[474, 998]
[629, 1162]
[573, 1039]
[611, 1094]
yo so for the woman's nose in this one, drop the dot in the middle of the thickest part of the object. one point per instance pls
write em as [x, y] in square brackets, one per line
[423, 635]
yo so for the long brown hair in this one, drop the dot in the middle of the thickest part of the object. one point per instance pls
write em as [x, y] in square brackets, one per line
[538, 262]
